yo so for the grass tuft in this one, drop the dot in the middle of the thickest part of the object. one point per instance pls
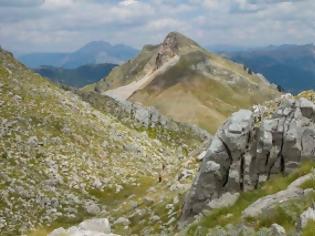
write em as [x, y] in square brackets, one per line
[309, 230]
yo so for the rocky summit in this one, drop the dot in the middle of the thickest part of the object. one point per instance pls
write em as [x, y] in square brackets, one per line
[186, 82]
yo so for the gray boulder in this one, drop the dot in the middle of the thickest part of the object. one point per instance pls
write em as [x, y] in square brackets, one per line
[92, 208]
[122, 221]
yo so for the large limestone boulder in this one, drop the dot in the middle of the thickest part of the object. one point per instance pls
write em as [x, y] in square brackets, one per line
[250, 147]
[91, 227]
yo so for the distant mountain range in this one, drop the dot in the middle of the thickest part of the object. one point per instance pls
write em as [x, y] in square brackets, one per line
[77, 77]
[219, 48]
[290, 66]
[92, 53]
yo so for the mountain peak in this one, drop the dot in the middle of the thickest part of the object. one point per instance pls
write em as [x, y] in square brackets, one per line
[95, 45]
[176, 36]
[180, 39]
[174, 44]
[167, 50]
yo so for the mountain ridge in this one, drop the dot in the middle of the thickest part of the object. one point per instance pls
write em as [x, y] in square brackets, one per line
[185, 84]
[289, 66]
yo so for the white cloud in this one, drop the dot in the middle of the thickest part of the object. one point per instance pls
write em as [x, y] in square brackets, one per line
[63, 25]
[58, 3]
[20, 3]
[162, 24]
[128, 2]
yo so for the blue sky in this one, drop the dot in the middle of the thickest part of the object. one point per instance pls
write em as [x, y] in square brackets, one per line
[65, 25]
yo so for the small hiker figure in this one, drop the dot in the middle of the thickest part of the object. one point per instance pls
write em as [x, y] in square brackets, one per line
[160, 178]
[160, 174]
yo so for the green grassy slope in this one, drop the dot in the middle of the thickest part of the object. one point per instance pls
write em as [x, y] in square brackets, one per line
[59, 157]
[285, 214]
[127, 72]
[204, 89]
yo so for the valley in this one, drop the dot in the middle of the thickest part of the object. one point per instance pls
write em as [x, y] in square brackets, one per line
[77, 77]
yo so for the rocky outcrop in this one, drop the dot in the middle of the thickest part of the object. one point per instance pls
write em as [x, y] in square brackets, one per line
[92, 227]
[167, 50]
[144, 118]
[252, 146]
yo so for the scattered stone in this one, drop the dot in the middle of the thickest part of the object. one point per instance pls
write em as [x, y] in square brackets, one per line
[305, 217]
[155, 218]
[277, 230]
[133, 204]
[148, 201]
[201, 156]
[122, 221]
[33, 141]
[92, 209]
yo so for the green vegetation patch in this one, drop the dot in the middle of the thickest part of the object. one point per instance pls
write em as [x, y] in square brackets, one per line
[232, 215]
[286, 214]
[309, 184]
[309, 230]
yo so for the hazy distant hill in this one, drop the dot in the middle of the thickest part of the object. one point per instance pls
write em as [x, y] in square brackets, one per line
[186, 82]
[219, 48]
[290, 66]
[92, 53]
[77, 77]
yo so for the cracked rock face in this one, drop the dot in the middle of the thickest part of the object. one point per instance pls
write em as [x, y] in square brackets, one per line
[250, 147]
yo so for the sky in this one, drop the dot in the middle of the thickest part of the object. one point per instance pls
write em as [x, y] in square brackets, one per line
[66, 25]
